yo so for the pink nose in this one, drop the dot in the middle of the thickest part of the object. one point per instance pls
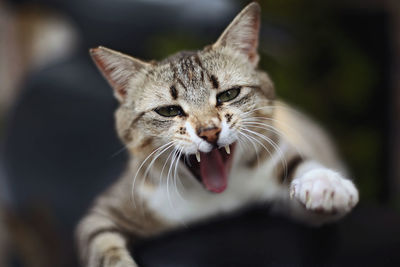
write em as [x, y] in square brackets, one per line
[209, 134]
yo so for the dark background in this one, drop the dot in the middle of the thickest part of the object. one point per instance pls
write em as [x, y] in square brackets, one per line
[335, 60]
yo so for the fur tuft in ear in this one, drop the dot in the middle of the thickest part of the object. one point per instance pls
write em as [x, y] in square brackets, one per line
[117, 68]
[242, 33]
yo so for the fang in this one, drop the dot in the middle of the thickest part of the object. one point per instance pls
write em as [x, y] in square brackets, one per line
[227, 149]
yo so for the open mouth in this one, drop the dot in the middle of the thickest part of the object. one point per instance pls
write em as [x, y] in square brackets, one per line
[212, 168]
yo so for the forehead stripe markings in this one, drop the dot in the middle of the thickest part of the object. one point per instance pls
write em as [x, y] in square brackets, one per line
[174, 92]
[197, 59]
[214, 81]
[181, 83]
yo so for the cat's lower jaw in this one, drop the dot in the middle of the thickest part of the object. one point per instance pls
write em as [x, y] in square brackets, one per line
[325, 193]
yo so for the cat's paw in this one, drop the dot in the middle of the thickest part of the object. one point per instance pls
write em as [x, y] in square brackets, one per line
[325, 191]
[117, 257]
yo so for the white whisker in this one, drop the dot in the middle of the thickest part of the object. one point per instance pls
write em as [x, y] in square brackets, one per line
[152, 162]
[119, 151]
[257, 141]
[142, 164]
[273, 129]
[176, 175]
[289, 128]
[273, 107]
[272, 143]
[169, 176]
[251, 142]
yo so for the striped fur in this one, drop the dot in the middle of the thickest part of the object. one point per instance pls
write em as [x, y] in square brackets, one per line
[280, 156]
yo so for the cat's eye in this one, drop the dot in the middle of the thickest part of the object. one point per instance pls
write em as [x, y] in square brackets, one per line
[228, 95]
[170, 111]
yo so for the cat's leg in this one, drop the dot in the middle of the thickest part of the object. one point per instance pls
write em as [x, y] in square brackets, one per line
[101, 243]
[319, 194]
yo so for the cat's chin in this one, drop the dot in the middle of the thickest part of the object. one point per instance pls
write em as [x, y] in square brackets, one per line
[212, 168]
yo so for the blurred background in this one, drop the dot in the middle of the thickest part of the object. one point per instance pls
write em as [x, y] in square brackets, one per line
[337, 60]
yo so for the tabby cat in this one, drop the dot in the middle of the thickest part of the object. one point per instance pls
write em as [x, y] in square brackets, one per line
[207, 136]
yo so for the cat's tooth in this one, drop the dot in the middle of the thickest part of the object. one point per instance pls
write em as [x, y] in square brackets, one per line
[227, 149]
[198, 156]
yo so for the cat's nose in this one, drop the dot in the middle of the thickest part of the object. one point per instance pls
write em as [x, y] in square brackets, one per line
[209, 134]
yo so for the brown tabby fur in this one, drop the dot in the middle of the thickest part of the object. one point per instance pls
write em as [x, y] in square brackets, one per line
[269, 134]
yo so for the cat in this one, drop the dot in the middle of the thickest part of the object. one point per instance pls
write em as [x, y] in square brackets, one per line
[206, 135]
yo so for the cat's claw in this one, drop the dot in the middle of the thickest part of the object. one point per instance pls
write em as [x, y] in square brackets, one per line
[323, 190]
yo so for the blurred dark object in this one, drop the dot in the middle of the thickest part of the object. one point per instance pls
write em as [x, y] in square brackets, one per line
[335, 62]
[131, 26]
[60, 147]
[255, 238]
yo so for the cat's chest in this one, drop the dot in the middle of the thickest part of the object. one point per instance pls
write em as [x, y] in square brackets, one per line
[177, 204]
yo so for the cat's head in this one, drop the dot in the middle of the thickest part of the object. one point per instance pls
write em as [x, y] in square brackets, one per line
[193, 102]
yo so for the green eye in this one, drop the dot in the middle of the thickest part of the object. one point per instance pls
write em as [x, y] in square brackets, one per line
[170, 111]
[228, 95]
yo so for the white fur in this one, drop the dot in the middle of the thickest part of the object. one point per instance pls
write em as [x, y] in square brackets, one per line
[227, 136]
[324, 190]
[188, 204]
[198, 143]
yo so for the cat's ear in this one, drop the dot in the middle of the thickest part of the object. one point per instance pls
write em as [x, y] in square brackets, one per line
[117, 68]
[242, 33]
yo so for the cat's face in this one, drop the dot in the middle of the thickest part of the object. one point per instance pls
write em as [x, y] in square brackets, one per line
[192, 102]
[196, 100]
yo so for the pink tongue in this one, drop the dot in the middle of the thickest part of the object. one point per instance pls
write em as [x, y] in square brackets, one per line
[213, 171]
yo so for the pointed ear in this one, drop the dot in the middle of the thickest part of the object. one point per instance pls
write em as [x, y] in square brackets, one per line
[117, 68]
[242, 33]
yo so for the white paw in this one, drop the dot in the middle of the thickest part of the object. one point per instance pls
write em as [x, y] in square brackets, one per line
[323, 190]
[117, 258]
